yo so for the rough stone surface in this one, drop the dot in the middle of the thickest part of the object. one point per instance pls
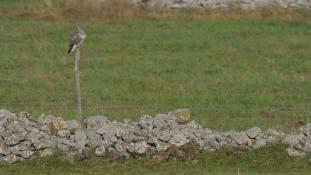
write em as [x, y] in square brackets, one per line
[100, 151]
[253, 132]
[181, 115]
[45, 152]
[223, 4]
[72, 125]
[161, 136]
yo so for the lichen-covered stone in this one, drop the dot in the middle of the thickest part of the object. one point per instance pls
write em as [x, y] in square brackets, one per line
[181, 115]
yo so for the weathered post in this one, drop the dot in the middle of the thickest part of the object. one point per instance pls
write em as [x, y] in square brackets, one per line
[77, 70]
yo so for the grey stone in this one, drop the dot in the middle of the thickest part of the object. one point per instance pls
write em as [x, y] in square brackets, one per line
[67, 141]
[96, 121]
[253, 132]
[23, 146]
[72, 125]
[4, 149]
[146, 122]
[307, 146]
[4, 114]
[274, 136]
[292, 139]
[44, 143]
[25, 154]
[239, 138]
[164, 136]
[51, 124]
[80, 138]
[305, 129]
[164, 121]
[110, 137]
[141, 147]
[11, 158]
[205, 133]
[130, 148]
[94, 138]
[221, 4]
[103, 129]
[295, 153]
[46, 152]
[260, 143]
[120, 147]
[179, 139]
[63, 133]
[161, 146]
[63, 147]
[100, 151]
[14, 139]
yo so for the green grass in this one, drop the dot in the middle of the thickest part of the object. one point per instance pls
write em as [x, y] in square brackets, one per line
[263, 161]
[231, 74]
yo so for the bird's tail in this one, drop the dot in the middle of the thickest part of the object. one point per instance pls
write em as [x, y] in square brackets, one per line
[71, 49]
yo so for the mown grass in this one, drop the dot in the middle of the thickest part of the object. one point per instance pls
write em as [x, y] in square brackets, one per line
[263, 161]
[231, 74]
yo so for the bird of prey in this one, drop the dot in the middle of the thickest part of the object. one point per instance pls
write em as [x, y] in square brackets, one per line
[76, 39]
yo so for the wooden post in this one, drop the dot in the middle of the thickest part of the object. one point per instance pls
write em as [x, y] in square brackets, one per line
[77, 70]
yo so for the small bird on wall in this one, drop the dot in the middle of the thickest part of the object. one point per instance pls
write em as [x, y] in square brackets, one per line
[76, 39]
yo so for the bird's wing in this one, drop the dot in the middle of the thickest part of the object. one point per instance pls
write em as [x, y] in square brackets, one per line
[74, 39]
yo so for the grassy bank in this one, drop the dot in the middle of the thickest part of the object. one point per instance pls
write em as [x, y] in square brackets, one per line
[264, 161]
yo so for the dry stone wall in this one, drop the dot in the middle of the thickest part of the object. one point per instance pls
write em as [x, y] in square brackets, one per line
[214, 4]
[159, 137]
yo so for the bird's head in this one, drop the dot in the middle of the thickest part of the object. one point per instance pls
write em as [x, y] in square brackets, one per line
[78, 27]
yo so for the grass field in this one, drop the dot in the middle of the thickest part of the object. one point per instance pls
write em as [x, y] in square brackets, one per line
[264, 161]
[231, 73]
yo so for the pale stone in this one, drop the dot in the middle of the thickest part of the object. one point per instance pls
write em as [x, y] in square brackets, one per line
[179, 140]
[4, 149]
[295, 153]
[46, 152]
[11, 158]
[72, 125]
[100, 151]
[253, 132]
[80, 138]
[63, 133]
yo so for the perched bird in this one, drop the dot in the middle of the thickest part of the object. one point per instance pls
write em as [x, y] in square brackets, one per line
[76, 39]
